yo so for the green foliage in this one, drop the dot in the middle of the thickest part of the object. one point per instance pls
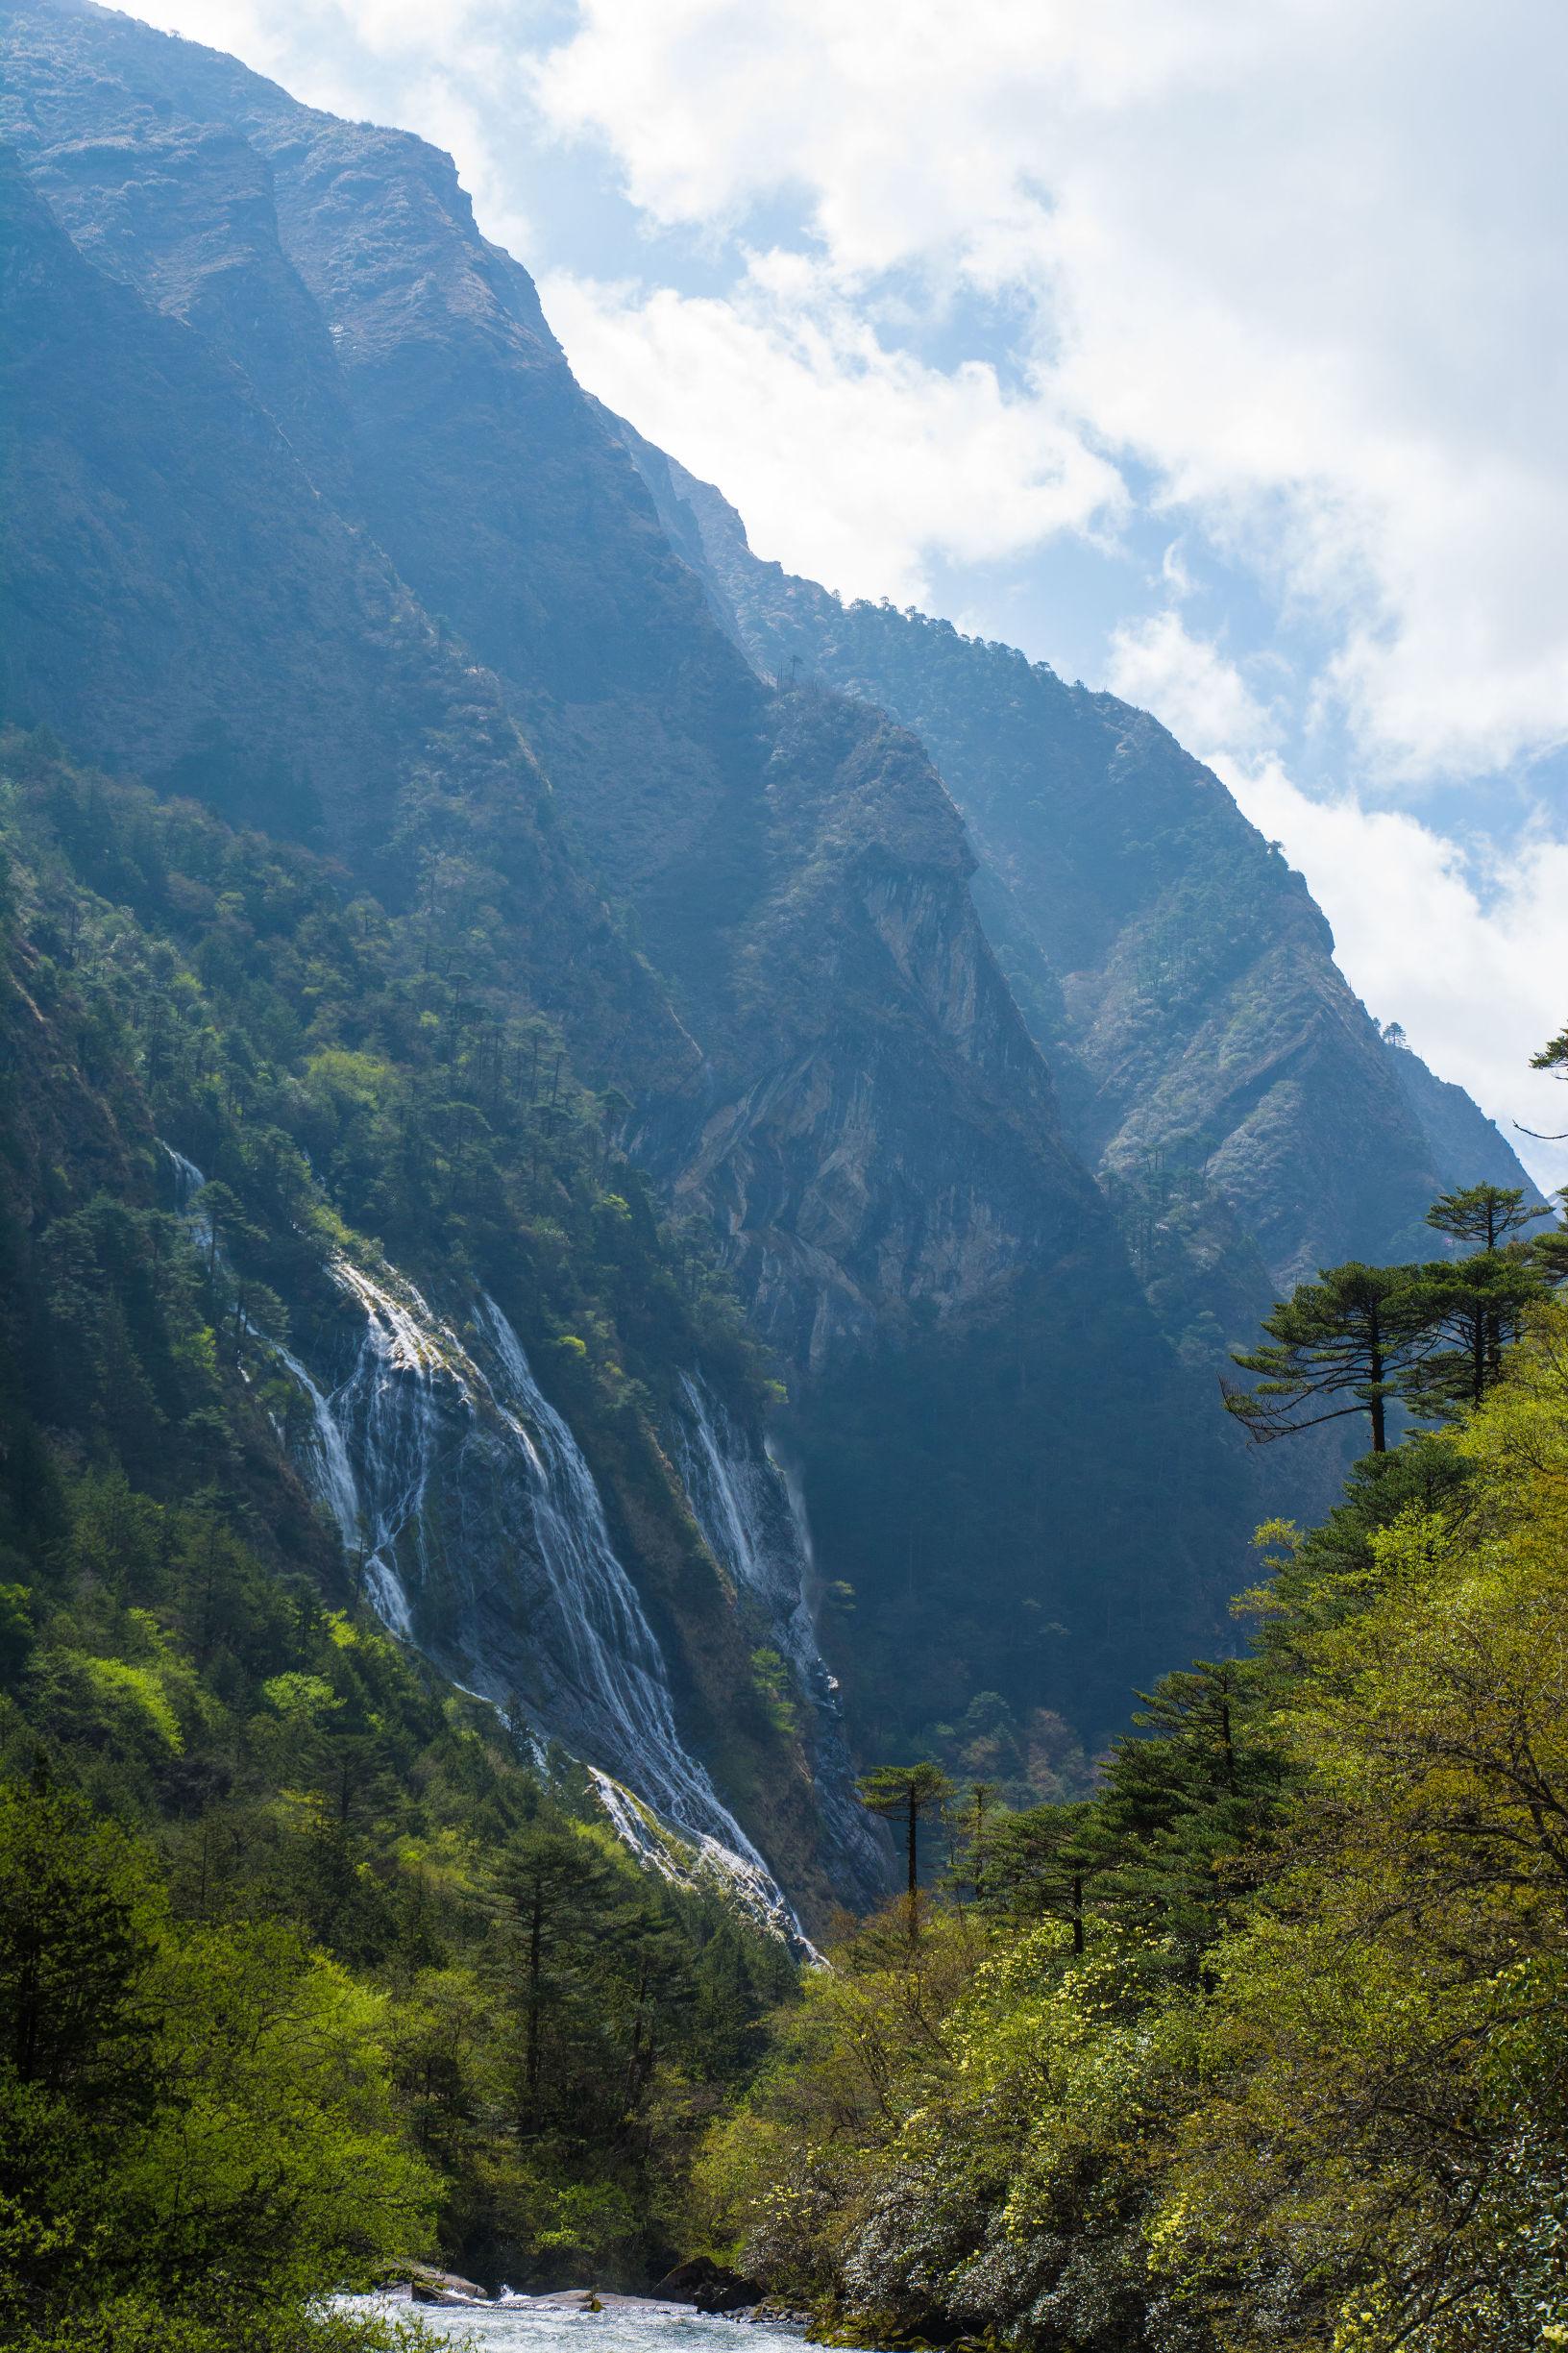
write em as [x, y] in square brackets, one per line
[1486, 1214]
[905, 1793]
[774, 1681]
[194, 2114]
[1426, 1337]
[1357, 1332]
[291, 1814]
[1260, 2045]
[275, 2007]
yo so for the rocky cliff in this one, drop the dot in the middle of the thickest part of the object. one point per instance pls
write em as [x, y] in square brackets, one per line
[885, 966]
[1209, 1058]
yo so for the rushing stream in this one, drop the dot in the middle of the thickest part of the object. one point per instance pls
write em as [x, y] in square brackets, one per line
[627, 2325]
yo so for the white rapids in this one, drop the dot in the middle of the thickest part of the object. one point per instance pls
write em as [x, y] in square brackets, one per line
[625, 2325]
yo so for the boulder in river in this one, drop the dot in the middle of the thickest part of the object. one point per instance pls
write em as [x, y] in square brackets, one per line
[430, 2287]
[707, 2285]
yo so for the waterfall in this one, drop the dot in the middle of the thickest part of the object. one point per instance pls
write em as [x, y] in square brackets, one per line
[745, 1510]
[187, 1177]
[387, 1423]
[483, 1536]
[328, 1470]
[616, 1663]
[754, 1519]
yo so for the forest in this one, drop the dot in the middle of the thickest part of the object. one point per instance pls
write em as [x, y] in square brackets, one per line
[312, 1968]
[1261, 2044]
[661, 1236]
[308, 1963]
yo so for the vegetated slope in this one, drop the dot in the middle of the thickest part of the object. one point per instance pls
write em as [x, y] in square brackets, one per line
[1263, 2044]
[1243, 1108]
[851, 1091]
[324, 1867]
[410, 1190]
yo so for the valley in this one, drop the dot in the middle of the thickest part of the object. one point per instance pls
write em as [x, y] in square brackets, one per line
[627, 1193]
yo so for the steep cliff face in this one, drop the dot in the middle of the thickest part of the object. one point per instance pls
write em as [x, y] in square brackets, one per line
[182, 600]
[338, 268]
[795, 886]
[1466, 1147]
[365, 561]
[1211, 1061]
[874, 1128]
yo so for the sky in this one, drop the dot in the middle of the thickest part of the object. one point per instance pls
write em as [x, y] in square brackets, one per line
[1213, 351]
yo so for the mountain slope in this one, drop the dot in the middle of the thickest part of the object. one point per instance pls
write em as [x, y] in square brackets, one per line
[817, 1045]
[183, 601]
[225, 996]
[1210, 1058]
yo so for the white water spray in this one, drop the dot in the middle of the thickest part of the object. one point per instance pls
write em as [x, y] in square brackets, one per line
[615, 1661]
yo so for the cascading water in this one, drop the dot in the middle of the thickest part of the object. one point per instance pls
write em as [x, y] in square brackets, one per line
[327, 1467]
[754, 1522]
[187, 1177]
[745, 1510]
[616, 1665]
[482, 1535]
[388, 1417]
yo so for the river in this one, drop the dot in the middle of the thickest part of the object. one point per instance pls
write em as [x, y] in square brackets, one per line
[629, 2324]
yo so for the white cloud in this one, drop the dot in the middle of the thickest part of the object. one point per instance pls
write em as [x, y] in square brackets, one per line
[858, 462]
[1303, 261]
[1189, 686]
[1464, 953]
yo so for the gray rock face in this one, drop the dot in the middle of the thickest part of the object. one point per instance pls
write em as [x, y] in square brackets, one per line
[309, 516]
[874, 1130]
[1213, 1066]
[1466, 1147]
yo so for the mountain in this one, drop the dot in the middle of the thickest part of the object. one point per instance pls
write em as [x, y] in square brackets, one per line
[954, 1019]
[1210, 1058]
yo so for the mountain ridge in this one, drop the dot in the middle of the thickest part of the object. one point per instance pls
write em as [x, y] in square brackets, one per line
[382, 579]
[1072, 797]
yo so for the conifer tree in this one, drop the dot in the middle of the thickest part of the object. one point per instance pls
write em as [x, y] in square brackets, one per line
[1476, 1305]
[1357, 1333]
[907, 1792]
[1486, 1215]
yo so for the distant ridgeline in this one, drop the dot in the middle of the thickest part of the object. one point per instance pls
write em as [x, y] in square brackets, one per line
[603, 982]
